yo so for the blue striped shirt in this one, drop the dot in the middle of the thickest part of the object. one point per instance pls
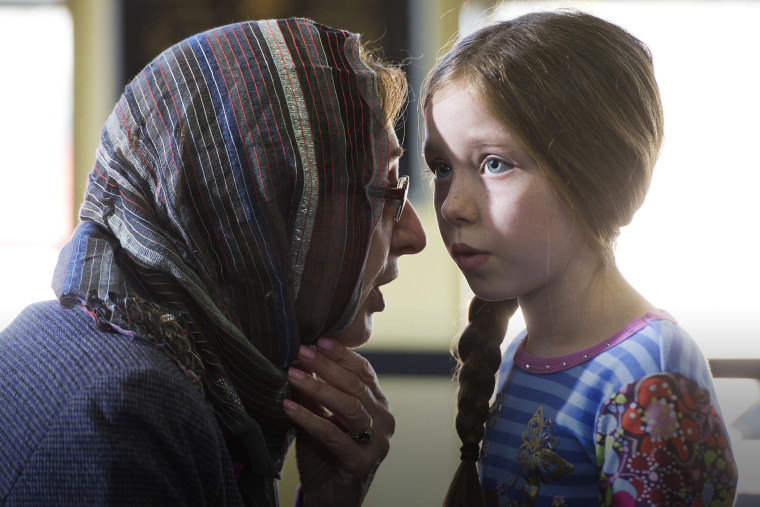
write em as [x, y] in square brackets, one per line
[545, 443]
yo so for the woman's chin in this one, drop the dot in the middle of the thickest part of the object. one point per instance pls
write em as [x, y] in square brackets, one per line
[358, 331]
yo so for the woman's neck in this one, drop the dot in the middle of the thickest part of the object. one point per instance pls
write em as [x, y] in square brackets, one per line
[580, 311]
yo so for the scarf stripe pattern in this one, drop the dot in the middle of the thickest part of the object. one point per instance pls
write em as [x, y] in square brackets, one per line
[228, 216]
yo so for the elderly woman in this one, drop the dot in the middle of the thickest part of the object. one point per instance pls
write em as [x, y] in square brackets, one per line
[245, 201]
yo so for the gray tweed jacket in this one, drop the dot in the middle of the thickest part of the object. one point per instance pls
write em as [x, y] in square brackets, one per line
[94, 418]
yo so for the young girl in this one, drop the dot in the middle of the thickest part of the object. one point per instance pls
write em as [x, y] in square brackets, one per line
[542, 133]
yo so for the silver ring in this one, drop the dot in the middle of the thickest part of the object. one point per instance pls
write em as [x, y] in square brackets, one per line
[363, 436]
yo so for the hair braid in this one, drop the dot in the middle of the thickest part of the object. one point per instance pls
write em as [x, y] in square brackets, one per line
[479, 355]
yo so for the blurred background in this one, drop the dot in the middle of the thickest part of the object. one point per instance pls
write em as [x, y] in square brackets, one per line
[692, 249]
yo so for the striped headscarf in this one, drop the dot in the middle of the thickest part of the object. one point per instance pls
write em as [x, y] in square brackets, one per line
[229, 213]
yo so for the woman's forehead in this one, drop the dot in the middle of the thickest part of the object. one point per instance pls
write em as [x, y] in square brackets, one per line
[395, 152]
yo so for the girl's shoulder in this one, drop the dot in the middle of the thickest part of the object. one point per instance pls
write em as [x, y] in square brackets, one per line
[652, 343]
[659, 344]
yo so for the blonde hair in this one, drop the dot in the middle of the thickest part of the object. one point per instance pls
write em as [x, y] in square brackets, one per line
[392, 86]
[581, 96]
[580, 93]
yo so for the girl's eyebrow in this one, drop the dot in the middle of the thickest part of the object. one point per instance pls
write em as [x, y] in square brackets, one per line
[396, 153]
[427, 147]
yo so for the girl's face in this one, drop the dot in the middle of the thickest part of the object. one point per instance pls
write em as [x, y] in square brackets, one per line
[497, 213]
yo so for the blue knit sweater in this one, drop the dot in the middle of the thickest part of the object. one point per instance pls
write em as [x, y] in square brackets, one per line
[94, 418]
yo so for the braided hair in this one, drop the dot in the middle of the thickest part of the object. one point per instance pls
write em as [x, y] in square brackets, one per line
[478, 355]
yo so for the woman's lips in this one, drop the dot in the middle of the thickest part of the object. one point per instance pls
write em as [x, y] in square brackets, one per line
[468, 258]
[377, 300]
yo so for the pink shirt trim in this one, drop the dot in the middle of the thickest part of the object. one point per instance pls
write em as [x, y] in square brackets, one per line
[533, 364]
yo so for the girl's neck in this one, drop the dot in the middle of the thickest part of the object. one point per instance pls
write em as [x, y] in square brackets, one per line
[588, 309]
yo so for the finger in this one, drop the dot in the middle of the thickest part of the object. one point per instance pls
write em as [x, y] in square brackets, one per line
[352, 374]
[350, 361]
[311, 405]
[328, 434]
[347, 408]
[317, 409]
[336, 374]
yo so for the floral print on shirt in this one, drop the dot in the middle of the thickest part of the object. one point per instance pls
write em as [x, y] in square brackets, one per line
[661, 442]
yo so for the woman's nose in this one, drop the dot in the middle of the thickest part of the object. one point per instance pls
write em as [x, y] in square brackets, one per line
[408, 234]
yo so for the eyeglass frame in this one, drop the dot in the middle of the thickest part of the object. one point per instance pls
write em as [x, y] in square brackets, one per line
[399, 193]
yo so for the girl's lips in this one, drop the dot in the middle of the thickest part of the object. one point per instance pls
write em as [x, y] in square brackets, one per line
[468, 258]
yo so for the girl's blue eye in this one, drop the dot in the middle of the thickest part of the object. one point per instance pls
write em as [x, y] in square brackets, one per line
[497, 166]
[440, 171]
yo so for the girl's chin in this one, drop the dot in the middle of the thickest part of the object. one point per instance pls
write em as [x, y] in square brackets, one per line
[488, 293]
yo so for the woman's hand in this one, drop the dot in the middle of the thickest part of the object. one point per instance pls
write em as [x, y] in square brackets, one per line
[337, 468]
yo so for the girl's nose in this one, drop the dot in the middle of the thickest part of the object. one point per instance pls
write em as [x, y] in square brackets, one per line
[457, 206]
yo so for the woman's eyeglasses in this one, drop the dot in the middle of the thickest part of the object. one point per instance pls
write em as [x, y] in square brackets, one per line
[399, 193]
